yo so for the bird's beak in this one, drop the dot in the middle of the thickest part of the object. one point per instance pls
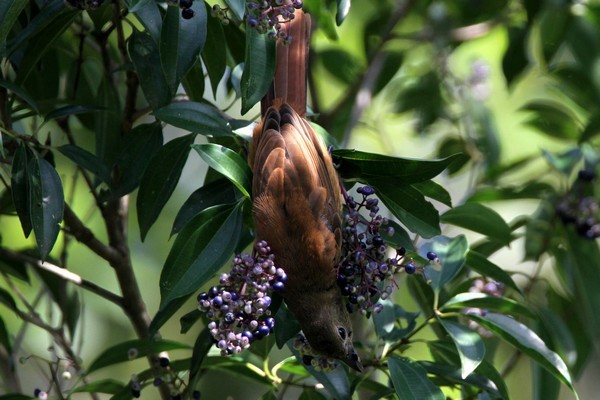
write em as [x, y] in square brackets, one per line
[353, 361]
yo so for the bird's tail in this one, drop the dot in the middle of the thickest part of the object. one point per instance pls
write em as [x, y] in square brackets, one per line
[289, 83]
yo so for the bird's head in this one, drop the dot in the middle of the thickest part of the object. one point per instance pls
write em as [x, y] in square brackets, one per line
[329, 332]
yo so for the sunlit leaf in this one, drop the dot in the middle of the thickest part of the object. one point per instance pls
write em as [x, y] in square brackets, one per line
[469, 344]
[411, 382]
[452, 253]
[487, 302]
[229, 163]
[527, 341]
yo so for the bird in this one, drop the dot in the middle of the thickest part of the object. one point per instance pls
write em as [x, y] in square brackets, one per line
[297, 206]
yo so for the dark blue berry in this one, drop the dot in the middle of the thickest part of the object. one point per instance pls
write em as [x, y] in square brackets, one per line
[235, 296]
[586, 175]
[217, 302]
[202, 296]
[431, 255]
[157, 382]
[186, 3]
[213, 292]
[163, 362]
[401, 251]
[263, 330]
[187, 13]
[347, 290]
[248, 334]
[377, 241]
[353, 298]
[278, 286]
[252, 23]
[410, 268]
[136, 393]
[270, 322]
[37, 392]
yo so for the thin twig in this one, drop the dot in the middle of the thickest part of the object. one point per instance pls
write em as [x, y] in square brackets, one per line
[62, 273]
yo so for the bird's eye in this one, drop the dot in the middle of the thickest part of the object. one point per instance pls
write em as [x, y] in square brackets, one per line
[342, 333]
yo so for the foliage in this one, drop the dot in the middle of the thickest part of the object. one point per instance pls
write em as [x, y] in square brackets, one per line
[88, 94]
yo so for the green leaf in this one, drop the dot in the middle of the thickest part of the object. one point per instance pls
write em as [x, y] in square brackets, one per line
[201, 348]
[220, 191]
[16, 269]
[188, 320]
[341, 64]
[434, 191]
[200, 249]
[400, 238]
[160, 180]
[71, 110]
[194, 81]
[479, 380]
[553, 119]
[20, 91]
[181, 41]
[9, 12]
[409, 206]
[136, 152]
[286, 326]
[487, 302]
[564, 162]
[411, 382]
[214, 52]
[46, 203]
[86, 160]
[480, 219]
[527, 341]
[237, 8]
[109, 386]
[469, 344]
[553, 25]
[387, 322]
[259, 68]
[229, 163]
[452, 253]
[107, 124]
[539, 230]
[336, 382]
[145, 56]
[195, 117]
[20, 186]
[532, 190]
[515, 58]
[121, 352]
[479, 263]
[358, 165]
[147, 12]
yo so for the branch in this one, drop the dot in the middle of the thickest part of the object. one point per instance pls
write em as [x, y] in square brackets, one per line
[62, 273]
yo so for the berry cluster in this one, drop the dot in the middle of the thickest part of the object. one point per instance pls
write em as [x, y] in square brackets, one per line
[489, 287]
[365, 272]
[239, 307]
[270, 16]
[220, 13]
[309, 357]
[84, 4]
[186, 7]
[170, 378]
[579, 209]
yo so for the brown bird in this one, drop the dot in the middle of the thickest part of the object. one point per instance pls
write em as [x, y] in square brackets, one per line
[297, 203]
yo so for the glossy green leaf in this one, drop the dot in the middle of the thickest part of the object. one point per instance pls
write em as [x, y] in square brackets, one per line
[259, 68]
[187, 321]
[479, 263]
[527, 341]
[160, 180]
[411, 382]
[181, 41]
[121, 352]
[480, 219]
[147, 12]
[452, 253]
[478, 380]
[393, 323]
[359, 165]
[86, 160]
[487, 302]
[469, 344]
[195, 117]
[200, 249]
[107, 123]
[211, 194]
[409, 206]
[201, 348]
[214, 53]
[237, 7]
[20, 186]
[144, 53]
[109, 386]
[194, 81]
[553, 119]
[229, 163]
[136, 152]
[46, 203]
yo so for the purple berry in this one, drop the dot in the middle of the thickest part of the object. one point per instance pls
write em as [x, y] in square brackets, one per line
[431, 255]
[187, 13]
